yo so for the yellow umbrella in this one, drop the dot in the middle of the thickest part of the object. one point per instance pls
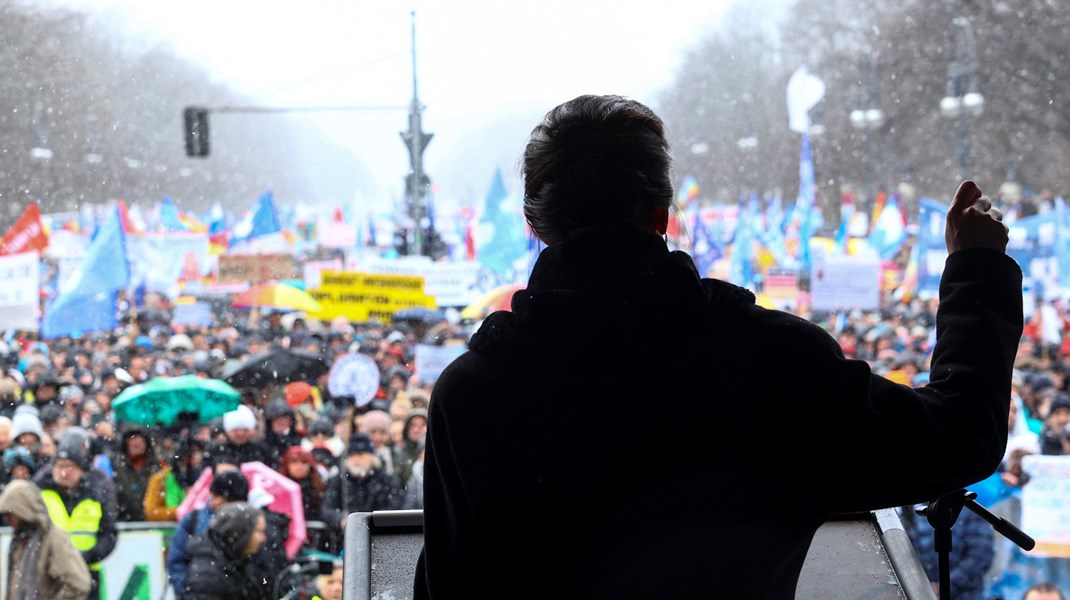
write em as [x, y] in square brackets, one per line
[277, 296]
[499, 298]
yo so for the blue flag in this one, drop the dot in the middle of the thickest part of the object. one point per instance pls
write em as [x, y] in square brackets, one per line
[261, 220]
[889, 233]
[507, 243]
[169, 220]
[88, 302]
[705, 249]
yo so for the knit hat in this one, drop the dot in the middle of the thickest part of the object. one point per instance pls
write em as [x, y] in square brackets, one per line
[375, 420]
[358, 443]
[321, 425]
[233, 527]
[72, 448]
[239, 418]
[26, 422]
[17, 455]
[297, 393]
[231, 486]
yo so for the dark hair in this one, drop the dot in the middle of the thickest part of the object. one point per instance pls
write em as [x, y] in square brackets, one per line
[592, 161]
[1046, 588]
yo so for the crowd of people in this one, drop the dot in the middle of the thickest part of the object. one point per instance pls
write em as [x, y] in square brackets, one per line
[66, 456]
[60, 433]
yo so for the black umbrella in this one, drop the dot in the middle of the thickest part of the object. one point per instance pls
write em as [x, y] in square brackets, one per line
[419, 315]
[277, 365]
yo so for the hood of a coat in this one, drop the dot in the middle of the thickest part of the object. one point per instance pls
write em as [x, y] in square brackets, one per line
[23, 499]
[233, 526]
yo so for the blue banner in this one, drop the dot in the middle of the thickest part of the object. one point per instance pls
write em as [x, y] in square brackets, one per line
[931, 245]
[1032, 245]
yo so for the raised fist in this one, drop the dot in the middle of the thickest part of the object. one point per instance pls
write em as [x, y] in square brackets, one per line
[972, 222]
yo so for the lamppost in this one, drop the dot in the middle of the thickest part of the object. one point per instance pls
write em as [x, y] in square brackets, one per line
[868, 119]
[963, 100]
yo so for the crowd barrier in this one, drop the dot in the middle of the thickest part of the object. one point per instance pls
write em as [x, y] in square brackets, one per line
[858, 556]
[136, 570]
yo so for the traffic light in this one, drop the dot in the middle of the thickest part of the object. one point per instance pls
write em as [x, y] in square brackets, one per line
[195, 121]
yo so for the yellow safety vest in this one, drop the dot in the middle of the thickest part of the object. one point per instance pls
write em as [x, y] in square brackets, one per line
[83, 524]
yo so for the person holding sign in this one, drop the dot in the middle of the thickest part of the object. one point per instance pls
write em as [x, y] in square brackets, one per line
[542, 476]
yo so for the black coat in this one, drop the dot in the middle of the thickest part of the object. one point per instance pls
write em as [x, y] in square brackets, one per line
[215, 573]
[544, 475]
[348, 494]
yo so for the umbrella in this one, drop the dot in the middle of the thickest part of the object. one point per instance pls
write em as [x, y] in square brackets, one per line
[277, 365]
[499, 298]
[419, 315]
[167, 400]
[285, 493]
[277, 296]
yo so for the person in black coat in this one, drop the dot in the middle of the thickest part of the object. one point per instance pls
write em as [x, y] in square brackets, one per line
[220, 567]
[542, 476]
[360, 486]
[281, 432]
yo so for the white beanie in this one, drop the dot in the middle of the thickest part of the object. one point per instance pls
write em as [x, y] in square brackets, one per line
[25, 422]
[239, 418]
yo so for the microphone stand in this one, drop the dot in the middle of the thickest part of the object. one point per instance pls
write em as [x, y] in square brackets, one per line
[942, 514]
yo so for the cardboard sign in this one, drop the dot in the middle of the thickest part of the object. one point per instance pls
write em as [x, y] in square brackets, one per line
[432, 360]
[844, 282]
[255, 268]
[1046, 504]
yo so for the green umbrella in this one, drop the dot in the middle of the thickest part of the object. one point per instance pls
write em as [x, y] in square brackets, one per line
[167, 400]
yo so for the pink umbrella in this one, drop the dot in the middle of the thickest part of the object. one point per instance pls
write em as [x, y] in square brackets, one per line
[287, 500]
[285, 492]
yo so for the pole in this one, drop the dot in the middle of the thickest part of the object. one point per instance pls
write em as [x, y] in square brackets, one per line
[416, 139]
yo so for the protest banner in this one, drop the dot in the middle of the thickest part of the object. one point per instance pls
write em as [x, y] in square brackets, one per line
[432, 360]
[312, 269]
[1046, 504]
[844, 282]
[931, 245]
[255, 268]
[451, 284]
[367, 296]
[20, 291]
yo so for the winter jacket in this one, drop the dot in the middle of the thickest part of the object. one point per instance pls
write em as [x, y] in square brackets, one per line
[156, 508]
[61, 572]
[93, 488]
[408, 452]
[216, 572]
[132, 483]
[972, 551]
[192, 524]
[542, 447]
[347, 494]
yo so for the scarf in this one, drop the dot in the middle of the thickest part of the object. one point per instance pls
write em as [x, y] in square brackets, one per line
[28, 542]
[174, 494]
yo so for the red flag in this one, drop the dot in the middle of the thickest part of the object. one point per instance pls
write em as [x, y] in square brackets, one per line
[124, 218]
[28, 233]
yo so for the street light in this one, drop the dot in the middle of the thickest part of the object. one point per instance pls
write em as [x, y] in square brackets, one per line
[962, 100]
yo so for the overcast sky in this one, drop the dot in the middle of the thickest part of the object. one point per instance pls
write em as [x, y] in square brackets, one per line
[487, 69]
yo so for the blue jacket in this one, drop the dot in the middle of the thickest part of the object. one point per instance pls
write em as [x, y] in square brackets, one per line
[178, 557]
[972, 551]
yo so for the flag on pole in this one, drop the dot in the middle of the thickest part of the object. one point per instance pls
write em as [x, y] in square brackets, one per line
[87, 302]
[507, 243]
[262, 219]
[705, 250]
[889, 231]
[28, 233]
